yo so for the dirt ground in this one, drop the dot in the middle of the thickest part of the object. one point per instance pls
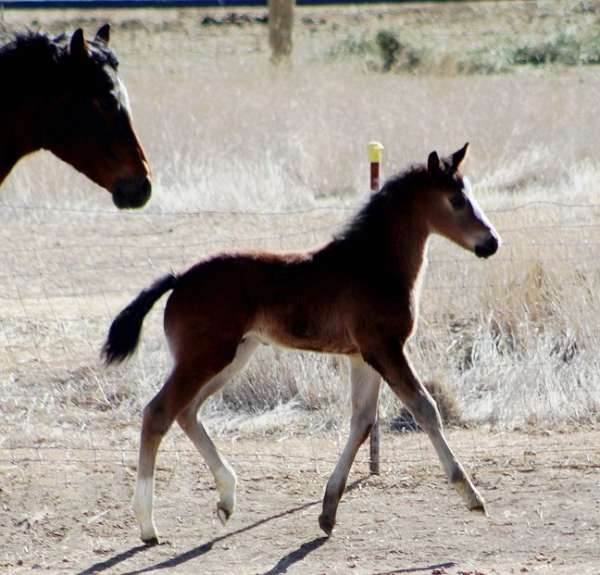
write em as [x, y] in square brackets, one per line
[68, 510]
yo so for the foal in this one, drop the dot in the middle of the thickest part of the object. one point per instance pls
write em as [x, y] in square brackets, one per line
[64, 95]
[358, 296]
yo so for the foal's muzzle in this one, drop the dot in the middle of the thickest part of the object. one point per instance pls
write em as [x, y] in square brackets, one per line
[488, 248]
[132, 193]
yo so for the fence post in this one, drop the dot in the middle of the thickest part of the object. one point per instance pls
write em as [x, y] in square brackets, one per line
[375, 150]
[281, 24]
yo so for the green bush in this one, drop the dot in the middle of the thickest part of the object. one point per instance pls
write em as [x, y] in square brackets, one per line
[389, 48]
[565, 48]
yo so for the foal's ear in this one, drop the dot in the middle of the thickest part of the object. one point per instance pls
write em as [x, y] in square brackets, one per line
[433, 163]
[103, 34]
[459, 157]
[78, 46]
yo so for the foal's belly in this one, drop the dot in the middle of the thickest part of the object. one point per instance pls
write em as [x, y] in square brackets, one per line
[304, 334]
[335, 347]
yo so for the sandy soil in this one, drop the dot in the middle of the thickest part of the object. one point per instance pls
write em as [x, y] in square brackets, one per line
[68, 510]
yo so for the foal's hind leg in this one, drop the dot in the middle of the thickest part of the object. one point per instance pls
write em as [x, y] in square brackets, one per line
[224, 475]
[365, 391]
[397, 371]
[177, 392]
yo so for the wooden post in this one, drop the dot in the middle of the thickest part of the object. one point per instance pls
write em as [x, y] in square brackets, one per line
[281, 24]
[375, 150]
[374, 447]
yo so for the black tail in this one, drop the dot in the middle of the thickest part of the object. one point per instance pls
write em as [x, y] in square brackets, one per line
[124, 332]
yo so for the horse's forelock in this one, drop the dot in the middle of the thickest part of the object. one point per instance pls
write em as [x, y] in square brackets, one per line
[103, 55]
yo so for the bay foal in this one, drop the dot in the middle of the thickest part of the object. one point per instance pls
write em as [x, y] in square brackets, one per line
[358, 296]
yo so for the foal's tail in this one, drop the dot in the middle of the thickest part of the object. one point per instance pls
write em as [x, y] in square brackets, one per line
[124, 332]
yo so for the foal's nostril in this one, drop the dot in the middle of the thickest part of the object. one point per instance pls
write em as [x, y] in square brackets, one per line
[488, 248]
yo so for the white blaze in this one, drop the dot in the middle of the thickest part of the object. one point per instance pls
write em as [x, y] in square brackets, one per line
[123, 96]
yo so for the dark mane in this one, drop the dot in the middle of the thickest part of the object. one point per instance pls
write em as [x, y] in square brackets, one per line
[29, 49]
[369, 223]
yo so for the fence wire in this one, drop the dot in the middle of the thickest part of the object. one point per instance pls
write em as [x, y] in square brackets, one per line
[68, 310]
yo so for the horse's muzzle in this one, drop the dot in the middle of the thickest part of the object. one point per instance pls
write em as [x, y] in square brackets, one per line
[132, 193]
[488, 248]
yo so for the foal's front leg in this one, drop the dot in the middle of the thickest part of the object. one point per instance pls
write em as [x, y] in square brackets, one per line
[365, 392]
[396, 369]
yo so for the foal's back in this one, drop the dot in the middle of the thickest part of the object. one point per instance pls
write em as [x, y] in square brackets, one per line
[292, 300]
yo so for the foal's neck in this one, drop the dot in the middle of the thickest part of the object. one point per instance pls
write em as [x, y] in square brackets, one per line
[388, 238]
[411, 250]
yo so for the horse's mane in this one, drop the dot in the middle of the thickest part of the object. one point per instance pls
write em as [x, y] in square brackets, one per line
[366, 236]
[368, 221]
[28, 47]
[27, 50]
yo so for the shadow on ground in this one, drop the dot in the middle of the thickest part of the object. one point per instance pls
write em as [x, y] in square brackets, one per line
[172, 562]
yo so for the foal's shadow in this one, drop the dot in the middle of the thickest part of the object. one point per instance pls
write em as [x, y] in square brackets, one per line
[295, 556]
[195, 552]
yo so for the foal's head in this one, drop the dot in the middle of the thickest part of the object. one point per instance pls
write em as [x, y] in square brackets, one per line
[451, 209]
[90, 124]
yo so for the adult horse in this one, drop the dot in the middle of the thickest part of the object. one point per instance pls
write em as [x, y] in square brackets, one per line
[358, 296]
[64, 95]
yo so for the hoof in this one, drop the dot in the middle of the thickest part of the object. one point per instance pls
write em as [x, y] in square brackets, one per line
[223, 514]
[326, 524]
[151, 541]
[479, 508]
[476, 503]
[470, 496]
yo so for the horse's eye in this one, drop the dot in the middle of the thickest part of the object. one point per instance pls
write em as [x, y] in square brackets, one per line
[458, 200]
[104, 103]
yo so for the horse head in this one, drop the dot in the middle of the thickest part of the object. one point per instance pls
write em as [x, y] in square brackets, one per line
[90, 122]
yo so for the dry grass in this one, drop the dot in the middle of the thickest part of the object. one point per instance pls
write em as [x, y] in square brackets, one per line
[515, 339]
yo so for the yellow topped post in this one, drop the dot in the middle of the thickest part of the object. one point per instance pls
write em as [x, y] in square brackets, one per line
[375, 152]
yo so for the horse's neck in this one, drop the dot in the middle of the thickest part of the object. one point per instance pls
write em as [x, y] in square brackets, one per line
[394, 251]
[8, 154]
[22, 132]
[409, 252]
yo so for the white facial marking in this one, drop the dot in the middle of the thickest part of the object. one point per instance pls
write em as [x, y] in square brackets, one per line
[122, 95]
[467, 185]
[478, 212]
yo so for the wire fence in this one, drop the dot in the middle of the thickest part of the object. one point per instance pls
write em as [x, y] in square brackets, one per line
[76, 258]
[499, 454]
[67, 293]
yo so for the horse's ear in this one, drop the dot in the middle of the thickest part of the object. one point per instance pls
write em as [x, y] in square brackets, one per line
[459, 157]
[78, 46]
[433, 163]
[103, 34]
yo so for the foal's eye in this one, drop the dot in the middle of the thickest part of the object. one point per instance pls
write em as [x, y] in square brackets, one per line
[458, 201]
